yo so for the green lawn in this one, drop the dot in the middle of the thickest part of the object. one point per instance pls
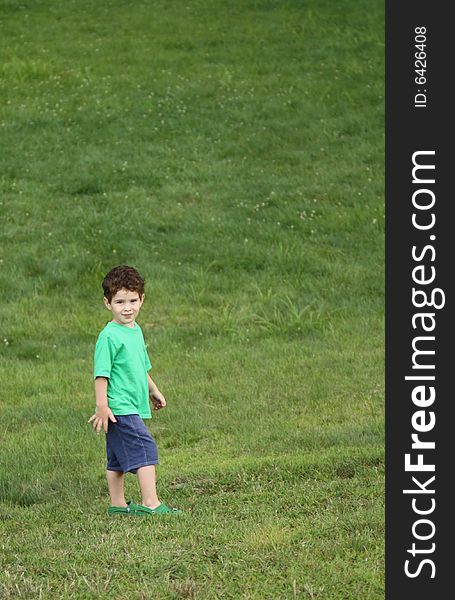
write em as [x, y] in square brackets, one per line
[233, 153]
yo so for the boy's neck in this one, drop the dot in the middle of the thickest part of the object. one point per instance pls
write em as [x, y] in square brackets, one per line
[133, 324]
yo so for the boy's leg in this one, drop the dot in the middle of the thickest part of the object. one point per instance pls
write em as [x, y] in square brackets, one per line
[115, 481]
[147, 482]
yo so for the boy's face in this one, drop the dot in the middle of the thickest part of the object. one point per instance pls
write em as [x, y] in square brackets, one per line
[125, 306]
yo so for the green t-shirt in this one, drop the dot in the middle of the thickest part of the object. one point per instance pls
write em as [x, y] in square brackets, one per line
[121, 356]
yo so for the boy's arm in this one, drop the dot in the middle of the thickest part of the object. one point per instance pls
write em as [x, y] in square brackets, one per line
[158, 400]
[103, 412]
[101, 392]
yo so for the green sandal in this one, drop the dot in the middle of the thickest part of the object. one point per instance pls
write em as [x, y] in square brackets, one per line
[122, 510]
[141, 511]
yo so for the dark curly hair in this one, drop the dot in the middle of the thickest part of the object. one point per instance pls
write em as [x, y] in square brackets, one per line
[122, 277]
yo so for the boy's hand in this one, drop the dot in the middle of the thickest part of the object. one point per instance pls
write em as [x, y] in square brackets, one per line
[158, 400]
[101, 418]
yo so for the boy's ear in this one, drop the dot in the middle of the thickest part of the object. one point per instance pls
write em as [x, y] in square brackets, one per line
[107, 304]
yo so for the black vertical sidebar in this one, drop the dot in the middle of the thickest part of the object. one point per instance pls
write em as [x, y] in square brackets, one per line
[420, 357]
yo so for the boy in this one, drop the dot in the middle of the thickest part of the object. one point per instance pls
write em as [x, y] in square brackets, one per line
[122, 390]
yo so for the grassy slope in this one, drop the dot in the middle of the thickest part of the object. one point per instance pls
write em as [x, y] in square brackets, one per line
[233, 153]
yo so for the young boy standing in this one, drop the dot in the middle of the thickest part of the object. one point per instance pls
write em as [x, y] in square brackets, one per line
[122, 389]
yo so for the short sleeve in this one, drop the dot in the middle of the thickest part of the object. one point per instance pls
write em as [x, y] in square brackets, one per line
[104, 357]
[148, 364]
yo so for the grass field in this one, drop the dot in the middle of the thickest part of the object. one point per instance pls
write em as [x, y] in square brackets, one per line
[233, 153]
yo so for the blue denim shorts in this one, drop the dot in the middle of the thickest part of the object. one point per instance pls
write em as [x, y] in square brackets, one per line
[129, 444]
